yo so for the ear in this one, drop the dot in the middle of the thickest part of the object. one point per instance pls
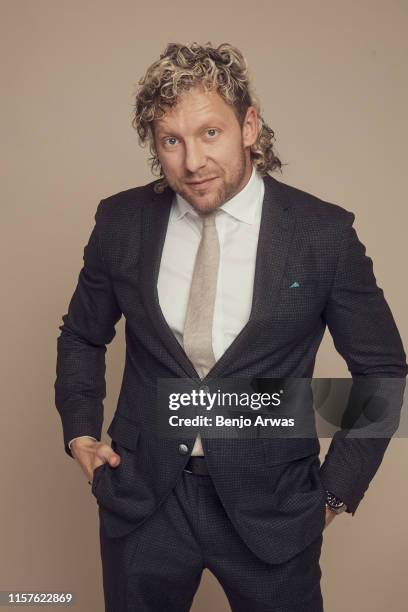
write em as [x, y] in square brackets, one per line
[250, 127]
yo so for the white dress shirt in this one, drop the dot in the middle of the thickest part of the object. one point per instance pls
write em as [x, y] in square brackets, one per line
[237, 222]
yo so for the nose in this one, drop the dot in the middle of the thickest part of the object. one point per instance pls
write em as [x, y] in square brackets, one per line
[194, 157]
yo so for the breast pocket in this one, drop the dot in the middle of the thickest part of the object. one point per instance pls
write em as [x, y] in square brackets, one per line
[298, 305]
[296, 286]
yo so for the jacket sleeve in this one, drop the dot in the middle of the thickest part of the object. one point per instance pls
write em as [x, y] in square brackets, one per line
[88, 326]
[365, 334]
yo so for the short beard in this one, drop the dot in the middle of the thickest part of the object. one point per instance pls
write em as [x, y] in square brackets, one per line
[225, 192]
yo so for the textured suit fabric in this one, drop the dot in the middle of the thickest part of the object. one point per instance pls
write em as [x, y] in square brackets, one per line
[272, 489]
[158, 566]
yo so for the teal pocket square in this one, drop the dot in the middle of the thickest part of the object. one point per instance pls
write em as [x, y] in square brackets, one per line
[295, 284]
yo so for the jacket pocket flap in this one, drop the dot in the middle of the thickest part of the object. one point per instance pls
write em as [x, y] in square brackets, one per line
[280, 450]
[124, 431]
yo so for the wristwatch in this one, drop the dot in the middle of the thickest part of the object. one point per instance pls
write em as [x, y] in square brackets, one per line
[334, 503]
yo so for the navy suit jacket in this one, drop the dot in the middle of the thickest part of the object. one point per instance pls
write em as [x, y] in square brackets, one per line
[273, 490]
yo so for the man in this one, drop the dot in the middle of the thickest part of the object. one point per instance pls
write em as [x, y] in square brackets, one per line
[220, 271]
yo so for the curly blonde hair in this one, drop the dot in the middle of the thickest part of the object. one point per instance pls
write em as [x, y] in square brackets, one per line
[182, 67]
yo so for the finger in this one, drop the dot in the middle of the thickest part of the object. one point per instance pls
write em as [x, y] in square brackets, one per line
[107, 455]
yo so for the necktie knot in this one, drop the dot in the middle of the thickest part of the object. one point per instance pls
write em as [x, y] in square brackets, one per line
[209, 218]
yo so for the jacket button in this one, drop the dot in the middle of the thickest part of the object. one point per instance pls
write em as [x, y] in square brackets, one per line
[183, 449]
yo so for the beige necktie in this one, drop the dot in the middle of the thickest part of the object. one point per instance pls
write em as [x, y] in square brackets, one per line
[197, 335]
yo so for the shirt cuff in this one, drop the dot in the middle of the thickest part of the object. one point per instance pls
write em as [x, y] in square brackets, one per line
[70, 442]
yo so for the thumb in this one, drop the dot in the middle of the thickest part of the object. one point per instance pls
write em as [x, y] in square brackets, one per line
[113, 459]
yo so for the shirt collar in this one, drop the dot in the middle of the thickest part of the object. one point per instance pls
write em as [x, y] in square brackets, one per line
[242, 206]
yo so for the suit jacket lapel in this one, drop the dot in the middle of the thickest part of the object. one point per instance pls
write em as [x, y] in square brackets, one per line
[154, 227]
[275, 236]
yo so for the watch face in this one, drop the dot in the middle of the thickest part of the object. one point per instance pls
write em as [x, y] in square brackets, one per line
[336, 508]
[333, 501]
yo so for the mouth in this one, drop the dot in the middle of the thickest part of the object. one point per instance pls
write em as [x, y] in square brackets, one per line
[201, 184]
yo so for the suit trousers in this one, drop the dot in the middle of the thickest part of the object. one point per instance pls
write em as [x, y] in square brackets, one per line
[157, 567]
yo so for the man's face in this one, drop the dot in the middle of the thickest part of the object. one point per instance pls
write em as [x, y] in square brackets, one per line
[200, 138]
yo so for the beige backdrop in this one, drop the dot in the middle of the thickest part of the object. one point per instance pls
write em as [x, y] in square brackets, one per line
[331, 77]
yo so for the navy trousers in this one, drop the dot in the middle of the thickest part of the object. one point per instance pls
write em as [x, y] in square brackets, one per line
[157, 567]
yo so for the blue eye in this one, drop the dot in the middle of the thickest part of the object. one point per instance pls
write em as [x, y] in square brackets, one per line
[172, 140]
